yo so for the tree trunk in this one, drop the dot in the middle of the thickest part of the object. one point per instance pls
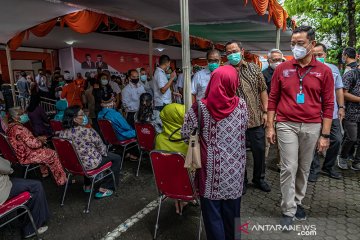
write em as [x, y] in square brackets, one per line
[352, 24]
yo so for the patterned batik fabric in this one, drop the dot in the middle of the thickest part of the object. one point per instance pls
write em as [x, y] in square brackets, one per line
[88, 144]
[223, 152]
[252, 84]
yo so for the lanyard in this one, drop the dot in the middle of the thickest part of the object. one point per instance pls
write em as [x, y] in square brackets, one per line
[302, 77]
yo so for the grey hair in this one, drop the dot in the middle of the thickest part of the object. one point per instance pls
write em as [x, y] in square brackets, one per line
[274, 50]
[14, 111]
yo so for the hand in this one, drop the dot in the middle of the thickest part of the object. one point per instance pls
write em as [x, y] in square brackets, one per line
[323, 144]
[341, 114]
[177, 94]
[173, 75]
[264, 119]
[42, 139]
[271, 134]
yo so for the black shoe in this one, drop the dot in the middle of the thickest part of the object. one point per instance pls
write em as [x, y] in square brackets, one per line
[355, 166]
[300, 213]
[312, 177]
[244, 189]
[332, 173]
[262, 185]
[286, 222]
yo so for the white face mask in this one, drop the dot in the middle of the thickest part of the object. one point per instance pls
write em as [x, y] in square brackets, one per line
[104, 82]
[274, 65]
[299, 52]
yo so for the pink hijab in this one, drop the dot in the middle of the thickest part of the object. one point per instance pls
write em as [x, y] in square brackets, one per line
[220, 96]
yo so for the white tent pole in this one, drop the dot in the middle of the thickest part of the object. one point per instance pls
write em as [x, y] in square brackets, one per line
[151, 53]
[8, 57]
[277, 38]
[185, 43]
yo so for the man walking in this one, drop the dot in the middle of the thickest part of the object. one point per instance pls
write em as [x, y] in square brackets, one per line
[252, 89]
[302, 96]
[335, 133]
[23, 87]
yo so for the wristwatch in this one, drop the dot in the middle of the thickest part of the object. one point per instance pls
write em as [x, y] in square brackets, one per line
[325, 135]
[341, 106]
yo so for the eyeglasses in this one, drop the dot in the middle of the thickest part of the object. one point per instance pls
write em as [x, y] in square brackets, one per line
[275, 60]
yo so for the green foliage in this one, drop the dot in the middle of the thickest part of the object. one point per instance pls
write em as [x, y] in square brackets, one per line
[329, 18]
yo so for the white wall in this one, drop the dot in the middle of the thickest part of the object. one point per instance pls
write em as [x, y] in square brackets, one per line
[22, 64]
[66, 60]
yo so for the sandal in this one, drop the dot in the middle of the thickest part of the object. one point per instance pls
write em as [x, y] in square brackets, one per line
[107, 193]
[86, 190]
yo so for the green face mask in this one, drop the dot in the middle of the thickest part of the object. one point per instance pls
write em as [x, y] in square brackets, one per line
[61, 84]
[213, 66]
[321, 59]
[234, 58]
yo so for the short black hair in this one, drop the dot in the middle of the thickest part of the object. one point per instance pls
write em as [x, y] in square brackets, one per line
[350, 52]
[99, 55]
[164, 59]
[142, 69]
[321, 45]
[87, 55]
[132, 70]
[232, 42]
[211, 52]
[69, 114]
[310, 32]
[23, 74]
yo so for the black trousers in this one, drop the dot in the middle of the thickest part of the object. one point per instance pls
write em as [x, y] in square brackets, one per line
[37, 204]
[352, 133]
[108, 181]
[219, 217]
[256, 137]
[130, 119]
[332, 152]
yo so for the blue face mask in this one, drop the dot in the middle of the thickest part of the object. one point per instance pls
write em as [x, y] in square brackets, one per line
[168, 76]
[24, 118]
[320, 59]
[234, 58]
[143, 78]
[85, 120]
[213, 66]
[2, 114]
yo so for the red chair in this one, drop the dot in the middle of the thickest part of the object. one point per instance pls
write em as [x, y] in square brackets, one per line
[8, 153]
[109, 135]
[14, 204]
[146, 134]
[56, 126]
[73, 165]
[172, 180]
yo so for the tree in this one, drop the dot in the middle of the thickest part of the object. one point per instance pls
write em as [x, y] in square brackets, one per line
[334, 21]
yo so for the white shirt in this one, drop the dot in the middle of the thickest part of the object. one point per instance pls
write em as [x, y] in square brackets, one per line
[115, 87]
[41, 82]
[131, 96]
[180, 81]
[200, 82]
[160, 80]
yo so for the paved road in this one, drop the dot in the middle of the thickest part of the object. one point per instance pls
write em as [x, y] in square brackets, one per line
[333, 210]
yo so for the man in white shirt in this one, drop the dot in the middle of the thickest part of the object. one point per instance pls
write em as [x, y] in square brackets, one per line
[162, 92]
[144, 80]
[42, 83]
[201, 78]
[115, 87]
[131, 96]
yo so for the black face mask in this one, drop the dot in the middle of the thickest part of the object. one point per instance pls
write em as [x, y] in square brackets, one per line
[135, 81]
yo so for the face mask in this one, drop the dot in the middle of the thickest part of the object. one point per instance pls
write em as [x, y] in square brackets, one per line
[2, 114]
[322, 60]
[85, 120]
[343, 60]
[143, 78]
[104, 82]
[135, 81]
[299, 52]
[168, 67]
[61, 84]
[234, 58]
[213, 66]
[168, 76]
[274, 65]
[24, 118]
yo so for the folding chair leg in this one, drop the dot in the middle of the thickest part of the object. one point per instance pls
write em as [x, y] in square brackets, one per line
[158, 215]
[113, 177]
[123, 157]
[138, 168]
[65, 190]
[26, 171]
[91, 191]
[200, 226]
[32, 222]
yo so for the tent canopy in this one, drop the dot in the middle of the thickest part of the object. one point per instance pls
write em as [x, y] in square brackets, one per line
[215, 20]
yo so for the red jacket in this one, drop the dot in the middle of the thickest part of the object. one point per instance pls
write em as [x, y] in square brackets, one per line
[318, 89]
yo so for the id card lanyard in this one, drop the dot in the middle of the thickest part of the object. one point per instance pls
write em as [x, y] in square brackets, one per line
[301, 78]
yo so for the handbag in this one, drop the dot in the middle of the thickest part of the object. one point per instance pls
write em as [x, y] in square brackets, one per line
[193, 156]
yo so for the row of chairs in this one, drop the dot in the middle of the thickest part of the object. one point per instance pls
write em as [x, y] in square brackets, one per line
[171, 177]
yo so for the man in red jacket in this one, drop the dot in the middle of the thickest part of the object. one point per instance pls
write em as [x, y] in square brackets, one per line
[302, 97]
